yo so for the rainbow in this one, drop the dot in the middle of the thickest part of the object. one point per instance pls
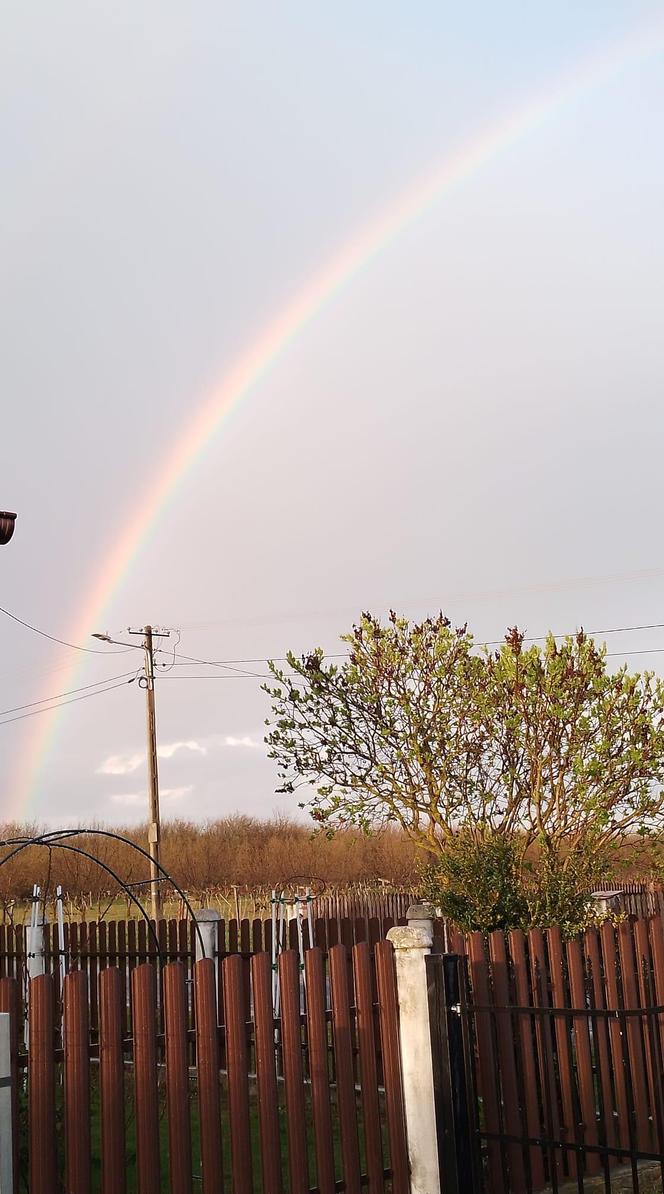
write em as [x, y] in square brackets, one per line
[289, 323]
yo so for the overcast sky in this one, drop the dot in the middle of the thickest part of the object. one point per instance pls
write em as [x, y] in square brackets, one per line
[474, 423]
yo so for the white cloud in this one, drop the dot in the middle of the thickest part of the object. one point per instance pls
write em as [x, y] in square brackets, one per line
[247, 740]
[127, 764]
[167, 750]
[175, 793]
[120, 764]
[130, 798]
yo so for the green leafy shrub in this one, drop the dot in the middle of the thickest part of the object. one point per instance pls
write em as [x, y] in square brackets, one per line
[477, 883]
[482, 883]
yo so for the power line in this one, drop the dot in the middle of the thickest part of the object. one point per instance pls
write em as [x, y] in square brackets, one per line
[58, 695]
[238, 674]
[624, 629]
[298, 675]
[49, 708]
[229, 663]
[241, 676]
[211, 663]
[536, 638]
[53, 639]
[645, 651]
[226, 663]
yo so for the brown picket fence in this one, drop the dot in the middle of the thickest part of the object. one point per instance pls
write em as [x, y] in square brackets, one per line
[565, 1049]
[93, 946]
[206, 1089]
[636, 899]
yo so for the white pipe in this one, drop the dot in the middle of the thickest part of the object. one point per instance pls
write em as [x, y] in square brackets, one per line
[300, 938]
[274, 948]
[310, 917]
[61, 934]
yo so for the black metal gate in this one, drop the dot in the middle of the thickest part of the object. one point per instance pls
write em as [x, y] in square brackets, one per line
[542, 1098]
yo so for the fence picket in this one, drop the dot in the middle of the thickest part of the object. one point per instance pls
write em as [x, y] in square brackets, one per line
[601, 1040]
[266, 1077]
[643, 987]
[543, 1031]
[207, 1072]
[373, 931]
[634, 1033]
[506, 1058]
[93, 965]
[388, 1013]
[291, 1034]
[368, 1068]
[233, 937]
[146, 1094]
[112, 1082]
[124, 972]
[610, 968]
[657, 941]
[77, 1083]
[583, 1053]
[177, 1079]
[74, 947]
[112, 943]
[487, 1069]
[319, 1071]
[320, 933]
[561, 1032]
[528, 1055]
[132, 959]
[238, 1083]
[103, 944]
[343, 1058]
[41, 1088]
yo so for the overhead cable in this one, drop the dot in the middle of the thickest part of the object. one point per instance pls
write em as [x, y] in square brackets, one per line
[58, 695]
[52, 638]
[228, 663]
[49, 708]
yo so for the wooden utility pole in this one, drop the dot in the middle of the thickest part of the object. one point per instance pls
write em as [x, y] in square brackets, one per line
[154, 824]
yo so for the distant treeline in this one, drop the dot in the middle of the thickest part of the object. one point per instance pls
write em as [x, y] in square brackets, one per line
[202, 857]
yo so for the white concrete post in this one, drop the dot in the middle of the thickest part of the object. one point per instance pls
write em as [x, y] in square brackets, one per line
[420, 916]
[34, 947]
[35, 965]
[6, 1136]
[207, 920]
[411, 945]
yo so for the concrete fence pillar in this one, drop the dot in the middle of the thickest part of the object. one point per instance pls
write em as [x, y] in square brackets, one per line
[6, 1135]
[35, 941]
[35, 965]
[411, 946]
[420, 916]
[207, 920]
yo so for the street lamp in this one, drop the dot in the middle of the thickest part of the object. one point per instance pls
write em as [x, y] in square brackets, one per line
[7, 521]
